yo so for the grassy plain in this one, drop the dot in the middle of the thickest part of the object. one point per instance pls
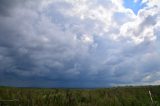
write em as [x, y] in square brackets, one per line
[116, 96]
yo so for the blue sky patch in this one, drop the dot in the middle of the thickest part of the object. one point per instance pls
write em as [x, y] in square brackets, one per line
[134, 6]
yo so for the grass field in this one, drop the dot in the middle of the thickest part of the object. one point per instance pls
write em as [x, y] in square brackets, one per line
[117, 96]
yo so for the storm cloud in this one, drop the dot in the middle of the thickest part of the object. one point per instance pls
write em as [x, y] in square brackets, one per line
[78, 43]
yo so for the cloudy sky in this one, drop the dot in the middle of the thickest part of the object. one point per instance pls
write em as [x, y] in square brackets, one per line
[79, 43]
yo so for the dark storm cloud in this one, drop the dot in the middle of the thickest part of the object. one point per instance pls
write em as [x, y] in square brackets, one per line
[45, 44]
[6, 6]
[42, 51]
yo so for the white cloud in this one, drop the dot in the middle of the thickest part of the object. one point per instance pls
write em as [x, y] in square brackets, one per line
[153, 2]
[135, 1]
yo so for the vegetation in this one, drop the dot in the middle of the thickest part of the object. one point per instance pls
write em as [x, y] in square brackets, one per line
[117, 96]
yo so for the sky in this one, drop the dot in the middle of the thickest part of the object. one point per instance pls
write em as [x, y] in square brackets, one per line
[79, 43]
[134, 5]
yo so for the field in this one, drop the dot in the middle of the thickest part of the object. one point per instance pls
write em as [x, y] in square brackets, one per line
[116, 96]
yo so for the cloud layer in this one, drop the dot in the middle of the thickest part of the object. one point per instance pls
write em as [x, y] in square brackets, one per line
[78, 43]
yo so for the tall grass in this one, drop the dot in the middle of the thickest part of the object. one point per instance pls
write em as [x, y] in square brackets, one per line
[120, 96]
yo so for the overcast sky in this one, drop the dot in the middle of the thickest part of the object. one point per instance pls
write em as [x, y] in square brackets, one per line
[79, 43]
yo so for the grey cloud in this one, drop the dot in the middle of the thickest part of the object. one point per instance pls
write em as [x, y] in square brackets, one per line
[47, 46]
[6, 6]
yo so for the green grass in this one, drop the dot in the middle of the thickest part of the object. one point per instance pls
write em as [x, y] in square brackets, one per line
[117, 96]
